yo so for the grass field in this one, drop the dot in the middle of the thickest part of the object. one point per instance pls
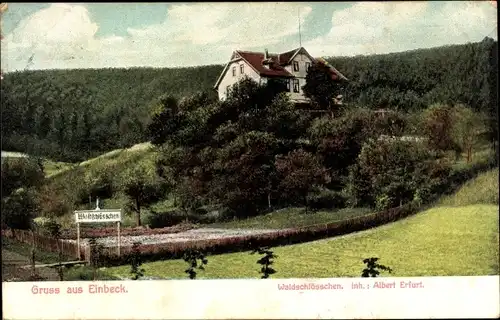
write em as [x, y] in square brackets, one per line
[443, 241]
[292, 218]
[447, 240]
[52, 168]
[482, 189]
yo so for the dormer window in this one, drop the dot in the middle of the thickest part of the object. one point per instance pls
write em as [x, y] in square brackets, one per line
[295, 66]
[308, 65]
[234, 71]
[242, 68]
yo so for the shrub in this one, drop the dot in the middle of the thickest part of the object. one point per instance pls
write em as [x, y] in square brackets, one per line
[135, 262]
[339, 141]
[19, 209]
[383, 202]
[437, 125]
[166, 218]
[192, 257]
[372, 268]
[20, 173]
[266, 261]
[326, 199]
[389, 173]
[392, 123]
[300, 171]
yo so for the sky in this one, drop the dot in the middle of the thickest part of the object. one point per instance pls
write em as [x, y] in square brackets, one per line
[103, 35]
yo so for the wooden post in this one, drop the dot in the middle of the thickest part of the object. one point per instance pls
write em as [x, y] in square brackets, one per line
[78, 240]
[88, 258]
[119, 238]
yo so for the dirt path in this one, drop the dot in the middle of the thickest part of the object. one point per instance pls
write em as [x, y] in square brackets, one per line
[12, 271]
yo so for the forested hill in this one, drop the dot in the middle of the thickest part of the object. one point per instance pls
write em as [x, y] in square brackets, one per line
[70, 115]
[415, 79]
[75, 114]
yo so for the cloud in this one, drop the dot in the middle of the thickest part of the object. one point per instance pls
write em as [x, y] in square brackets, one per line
[63, 36]
[382, 27]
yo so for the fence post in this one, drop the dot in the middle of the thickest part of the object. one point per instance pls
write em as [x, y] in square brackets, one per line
[78, 240]
[89, 252]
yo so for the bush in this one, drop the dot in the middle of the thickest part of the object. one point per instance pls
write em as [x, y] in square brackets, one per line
[19, 209]
[326, 199]
[393, 123]
[20, 173]
[165, 218]
[390, 173]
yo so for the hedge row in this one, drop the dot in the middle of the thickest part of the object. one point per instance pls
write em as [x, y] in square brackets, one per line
[111, 231]
[165, 251]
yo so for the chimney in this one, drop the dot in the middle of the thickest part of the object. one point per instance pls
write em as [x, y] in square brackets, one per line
[266, 55]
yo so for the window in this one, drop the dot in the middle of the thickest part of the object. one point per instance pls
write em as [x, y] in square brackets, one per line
[295, 66]
[308, 65]
[234, 71]
[296, 85]
[242, 67]
[288, 85]
[227, 90]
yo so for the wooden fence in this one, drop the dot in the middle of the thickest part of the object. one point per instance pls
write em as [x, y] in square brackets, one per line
[45, 243]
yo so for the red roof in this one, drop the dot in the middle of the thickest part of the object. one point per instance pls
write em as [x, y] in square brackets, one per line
[286, 56]
[255, 60]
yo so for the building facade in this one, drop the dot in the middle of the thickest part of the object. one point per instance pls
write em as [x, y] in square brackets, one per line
[290, 66]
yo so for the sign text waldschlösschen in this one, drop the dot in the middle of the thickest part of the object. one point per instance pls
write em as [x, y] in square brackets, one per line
[86, 216]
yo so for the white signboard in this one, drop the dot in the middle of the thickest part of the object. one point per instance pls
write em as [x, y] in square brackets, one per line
[95, 216]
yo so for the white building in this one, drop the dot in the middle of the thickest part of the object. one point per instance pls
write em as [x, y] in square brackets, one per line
[260, 66]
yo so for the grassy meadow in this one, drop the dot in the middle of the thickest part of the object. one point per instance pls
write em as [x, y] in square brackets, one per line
[292, 218]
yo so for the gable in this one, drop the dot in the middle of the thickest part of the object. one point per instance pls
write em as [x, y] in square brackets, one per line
[235, 55]
[303, 51]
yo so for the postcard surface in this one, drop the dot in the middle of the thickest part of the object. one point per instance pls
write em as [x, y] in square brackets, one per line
[274, 160]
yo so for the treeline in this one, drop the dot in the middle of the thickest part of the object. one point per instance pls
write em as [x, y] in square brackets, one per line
[71, 115]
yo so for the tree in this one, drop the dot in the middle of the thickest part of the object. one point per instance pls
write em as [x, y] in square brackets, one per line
[243, 172]
[338, 141]
[20, 172]
[467, 128]
[322, 89]
[166, 119]
[392, 172]
[437, 126]
[300, 171]
[98, 182]
[19, 209]
[142, 186]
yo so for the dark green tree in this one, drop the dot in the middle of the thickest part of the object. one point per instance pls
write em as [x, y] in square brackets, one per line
[322, 89]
